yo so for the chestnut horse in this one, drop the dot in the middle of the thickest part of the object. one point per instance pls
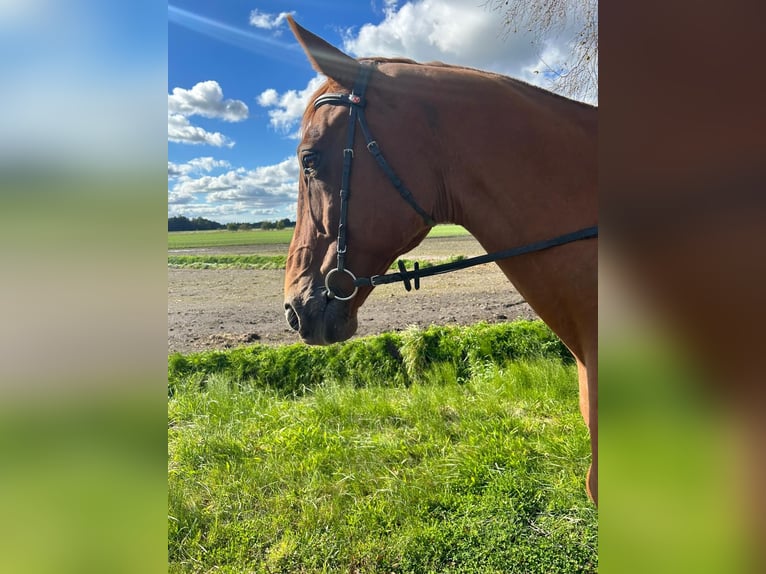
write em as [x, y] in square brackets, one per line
[512, 163]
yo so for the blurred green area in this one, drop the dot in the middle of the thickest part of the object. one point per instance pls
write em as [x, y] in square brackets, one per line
[81, 210]
[82, 485]
[83, 362]
[669, 500]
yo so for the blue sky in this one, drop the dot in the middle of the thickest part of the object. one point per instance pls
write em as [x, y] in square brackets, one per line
[238, 83]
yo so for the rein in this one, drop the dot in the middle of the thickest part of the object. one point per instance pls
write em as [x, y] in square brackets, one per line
[356, 103]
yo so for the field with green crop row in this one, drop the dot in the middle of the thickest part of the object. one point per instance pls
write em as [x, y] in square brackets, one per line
[441, 450]
[265, 262]
[224, 238]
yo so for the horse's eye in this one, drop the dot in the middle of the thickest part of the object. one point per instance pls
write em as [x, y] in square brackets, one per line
[310, 161]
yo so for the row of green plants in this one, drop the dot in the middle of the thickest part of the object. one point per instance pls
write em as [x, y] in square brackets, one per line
[395, 358]
[449, 450]
[264, 261]
[227, 261]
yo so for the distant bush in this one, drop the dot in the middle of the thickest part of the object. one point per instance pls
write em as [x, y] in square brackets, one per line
[181, 223]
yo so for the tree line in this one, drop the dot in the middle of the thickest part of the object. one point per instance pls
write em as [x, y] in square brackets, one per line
[181, 223]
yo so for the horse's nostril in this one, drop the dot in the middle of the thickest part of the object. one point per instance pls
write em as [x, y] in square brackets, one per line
[292, 317]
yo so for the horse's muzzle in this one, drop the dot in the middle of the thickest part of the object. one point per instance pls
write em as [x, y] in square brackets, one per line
[319, 320]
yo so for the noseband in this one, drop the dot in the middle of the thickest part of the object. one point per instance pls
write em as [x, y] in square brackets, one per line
[356, 103]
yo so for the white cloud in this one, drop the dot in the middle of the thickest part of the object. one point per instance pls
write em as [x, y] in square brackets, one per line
[196, 165]
[180, 198]
[457, 32]
[180, 130]
[268, 21]
[206, 99]
[288, 107]
[264, 190]
[269, 98]
[453, 31]
[234, 211]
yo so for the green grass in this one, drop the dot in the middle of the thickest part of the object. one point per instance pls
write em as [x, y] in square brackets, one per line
[412, 452]
[669, 444]
[224, 238]
[448, 230]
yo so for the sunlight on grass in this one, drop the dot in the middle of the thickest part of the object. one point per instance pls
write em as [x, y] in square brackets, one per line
[670, 473]
[465, 471]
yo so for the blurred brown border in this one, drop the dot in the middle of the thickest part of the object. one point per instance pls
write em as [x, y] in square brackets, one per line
[683, 192]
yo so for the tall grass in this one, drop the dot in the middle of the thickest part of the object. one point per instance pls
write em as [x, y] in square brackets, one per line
[370, 457]
[387, 359]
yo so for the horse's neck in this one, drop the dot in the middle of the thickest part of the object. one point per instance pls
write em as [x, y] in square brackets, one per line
[523, 163]
[526, 171]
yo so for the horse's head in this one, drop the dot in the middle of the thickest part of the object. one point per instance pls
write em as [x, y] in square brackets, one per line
[379, 226]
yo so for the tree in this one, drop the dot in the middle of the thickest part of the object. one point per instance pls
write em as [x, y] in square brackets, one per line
[266, 225]
[200, 223]
[179, 223]
[577, 21]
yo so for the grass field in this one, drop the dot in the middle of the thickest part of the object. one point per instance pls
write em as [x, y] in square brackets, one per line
[223, 238]
[445, 450]
[265, 261]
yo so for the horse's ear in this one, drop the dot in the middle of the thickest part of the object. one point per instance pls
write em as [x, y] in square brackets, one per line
[325, 58]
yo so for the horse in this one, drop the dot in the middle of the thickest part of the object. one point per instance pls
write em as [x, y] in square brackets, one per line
[512, 163]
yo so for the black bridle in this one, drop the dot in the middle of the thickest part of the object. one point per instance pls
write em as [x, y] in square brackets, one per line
[356, 103]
